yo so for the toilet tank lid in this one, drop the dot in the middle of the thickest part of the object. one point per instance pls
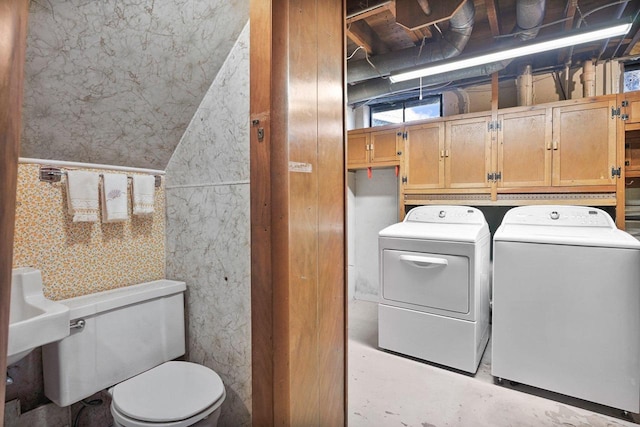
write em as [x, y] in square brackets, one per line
[99, 302]
[170, 392]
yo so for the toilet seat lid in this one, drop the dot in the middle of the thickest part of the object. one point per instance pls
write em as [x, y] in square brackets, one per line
[170, 392]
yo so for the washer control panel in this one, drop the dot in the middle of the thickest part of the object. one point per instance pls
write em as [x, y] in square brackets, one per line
[563, 216]
[445, 214]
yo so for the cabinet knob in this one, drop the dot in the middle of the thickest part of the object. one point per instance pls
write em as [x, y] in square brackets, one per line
[399, 153]
[399, 133]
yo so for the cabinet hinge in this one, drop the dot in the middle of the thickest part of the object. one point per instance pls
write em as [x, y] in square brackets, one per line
[404, 179]
[615, 112]
[493, 125]
[494, 176]
[615, 172]
[624, 117]
[405, 135]
[625, 103]
[627, 162]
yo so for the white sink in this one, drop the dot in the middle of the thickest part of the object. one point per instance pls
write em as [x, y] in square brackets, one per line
[33, 319]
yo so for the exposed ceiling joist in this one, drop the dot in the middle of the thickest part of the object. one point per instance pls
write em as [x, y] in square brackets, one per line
[361, 34]
[493, 18]
[493, 15]
[569, 15]
[632, 49]
[374, 10]
[416, 35]
[411, 14]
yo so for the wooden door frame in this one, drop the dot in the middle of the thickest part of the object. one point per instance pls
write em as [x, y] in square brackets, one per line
[284, 34]
[14, 15]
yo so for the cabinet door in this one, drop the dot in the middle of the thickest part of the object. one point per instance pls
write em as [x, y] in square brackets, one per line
[584, 144]
[524, 149]
[467, 153]
[424, 156]
[357, 149]
[632, 153]
[631, 107]
[384, 147]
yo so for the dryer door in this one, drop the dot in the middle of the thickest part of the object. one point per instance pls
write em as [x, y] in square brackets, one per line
[426, 279]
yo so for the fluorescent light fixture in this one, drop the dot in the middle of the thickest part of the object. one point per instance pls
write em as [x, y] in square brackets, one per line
[528, 48]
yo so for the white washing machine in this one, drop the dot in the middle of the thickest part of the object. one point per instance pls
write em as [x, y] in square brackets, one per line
[434, 286]
[566, 304]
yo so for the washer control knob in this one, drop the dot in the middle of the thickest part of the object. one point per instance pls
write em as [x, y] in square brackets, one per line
[554, 215]
[442, 214]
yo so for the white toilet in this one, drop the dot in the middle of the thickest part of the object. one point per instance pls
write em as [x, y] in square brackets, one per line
[125, 340]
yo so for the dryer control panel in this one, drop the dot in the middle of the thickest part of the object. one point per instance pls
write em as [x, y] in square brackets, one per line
[562, 216]
[445, 215]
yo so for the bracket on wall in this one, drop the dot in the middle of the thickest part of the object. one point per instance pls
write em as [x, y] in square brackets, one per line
[256, 122]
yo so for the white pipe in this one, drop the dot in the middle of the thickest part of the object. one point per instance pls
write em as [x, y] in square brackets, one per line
[524, 86]
[588, 79]
[64, 164]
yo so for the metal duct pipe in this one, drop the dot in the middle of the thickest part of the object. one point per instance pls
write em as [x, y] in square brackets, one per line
[526, 28]
[383, 87]
[452, 43]
[529, 15]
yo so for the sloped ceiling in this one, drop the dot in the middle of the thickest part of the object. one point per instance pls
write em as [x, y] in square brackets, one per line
[118, 81]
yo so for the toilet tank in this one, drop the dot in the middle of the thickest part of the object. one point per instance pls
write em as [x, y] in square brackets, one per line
[127, 331]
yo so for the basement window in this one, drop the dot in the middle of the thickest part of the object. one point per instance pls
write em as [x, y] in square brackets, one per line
[631, 77]
[407, 110]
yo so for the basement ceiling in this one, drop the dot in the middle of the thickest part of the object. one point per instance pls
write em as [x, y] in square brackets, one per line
[375, 31]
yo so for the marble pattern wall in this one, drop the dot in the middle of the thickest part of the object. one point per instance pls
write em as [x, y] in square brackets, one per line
[118, 81]
[208, 231]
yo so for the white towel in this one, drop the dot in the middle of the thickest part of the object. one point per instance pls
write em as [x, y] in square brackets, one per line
[115, 205]
[143, 193]
[82, 195]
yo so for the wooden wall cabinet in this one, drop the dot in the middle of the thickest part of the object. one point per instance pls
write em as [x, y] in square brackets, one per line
[566, 152]
[424, 155]
[358, 148]
[563, 146]
[447, 154]
[468, 153]
[632, 154]
[584, 144]
[525, 148]
[629, 104]
[628, 107]
[374, 147]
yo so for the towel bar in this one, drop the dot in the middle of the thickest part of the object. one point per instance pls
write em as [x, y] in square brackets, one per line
[53, 174]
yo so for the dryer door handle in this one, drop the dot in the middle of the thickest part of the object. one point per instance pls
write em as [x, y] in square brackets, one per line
[424, 261]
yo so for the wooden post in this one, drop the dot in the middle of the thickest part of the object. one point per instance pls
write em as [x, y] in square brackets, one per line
[13, 33]
[298, 184]
[494, 134]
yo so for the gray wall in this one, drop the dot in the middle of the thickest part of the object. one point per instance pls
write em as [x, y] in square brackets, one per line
[376, 207]
[208, 231]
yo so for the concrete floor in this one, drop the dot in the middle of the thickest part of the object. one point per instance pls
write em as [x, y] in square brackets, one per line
[386, 389]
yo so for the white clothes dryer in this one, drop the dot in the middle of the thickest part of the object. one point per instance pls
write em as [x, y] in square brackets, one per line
[434, 286]
[566, 304]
